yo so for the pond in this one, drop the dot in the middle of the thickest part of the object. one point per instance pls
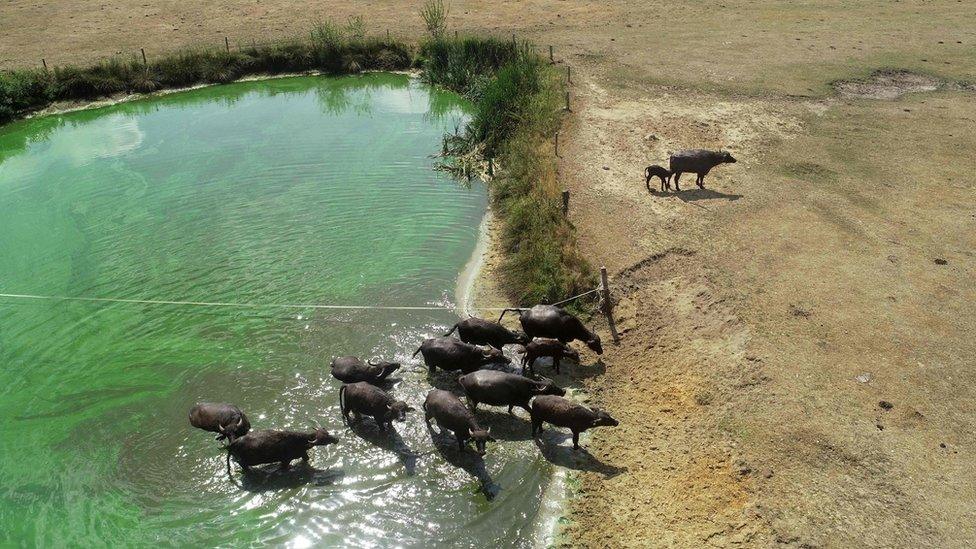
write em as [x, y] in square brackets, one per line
[286, 191]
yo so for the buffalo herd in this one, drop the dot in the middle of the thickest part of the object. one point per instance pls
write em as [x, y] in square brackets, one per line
[547, 332]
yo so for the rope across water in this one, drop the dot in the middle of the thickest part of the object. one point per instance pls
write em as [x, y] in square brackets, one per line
[259, 305]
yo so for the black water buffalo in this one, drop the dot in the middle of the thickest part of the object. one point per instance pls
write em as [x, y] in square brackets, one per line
[504, 389]
[565, 413]
[282, 447]
[554, 322]
[451, 414]
[364, 399]
[448, 353]
[485, 332]
[349, 369]
[544, 346]
[697, 161]
[657, 171]
[227, 420]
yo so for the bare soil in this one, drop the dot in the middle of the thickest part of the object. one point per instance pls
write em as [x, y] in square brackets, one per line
[765, 318]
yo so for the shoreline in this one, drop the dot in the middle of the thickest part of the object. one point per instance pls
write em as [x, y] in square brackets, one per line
[477, 289]
[64, 107]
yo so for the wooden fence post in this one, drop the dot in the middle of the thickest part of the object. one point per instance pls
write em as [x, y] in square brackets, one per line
[491, 167]
[144, 62]
[608, 304]
[565, 202]
[567, 102]
[568, 78]
[551, 58]
[43, 62]
[556, 146]
[227, 44]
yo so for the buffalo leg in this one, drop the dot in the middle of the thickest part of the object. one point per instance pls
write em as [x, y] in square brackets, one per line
[379, 423]
[556, 359]
[536, 425]
[461, 441]
[701, 181]
[677, 176]
[472, 404]
[575, 440]
[510, 408]
[285, 465]
[305, 457]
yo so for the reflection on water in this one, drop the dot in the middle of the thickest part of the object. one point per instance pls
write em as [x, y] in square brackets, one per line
[297, 190]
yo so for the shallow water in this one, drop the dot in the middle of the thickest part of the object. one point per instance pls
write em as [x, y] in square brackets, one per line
[295, 190]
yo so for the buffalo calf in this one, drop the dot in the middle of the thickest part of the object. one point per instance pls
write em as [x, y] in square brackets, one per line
[565, 413]
[660, 172]
[542, 346]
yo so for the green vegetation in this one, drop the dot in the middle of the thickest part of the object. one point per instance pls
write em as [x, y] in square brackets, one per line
[330, 48]
[518, 108]
[518, 99]
[434, 14]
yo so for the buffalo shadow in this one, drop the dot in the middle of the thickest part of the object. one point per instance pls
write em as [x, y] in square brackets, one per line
[272, 477]
[571, 374]
[551, 445]
[505, 426]
[389, 440]
[446, 445]
[695, 194]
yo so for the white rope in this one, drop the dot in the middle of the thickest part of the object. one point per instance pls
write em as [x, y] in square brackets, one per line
[577, 296]
[258, 305]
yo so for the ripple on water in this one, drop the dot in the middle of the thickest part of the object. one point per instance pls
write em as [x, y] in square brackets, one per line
[303, 190]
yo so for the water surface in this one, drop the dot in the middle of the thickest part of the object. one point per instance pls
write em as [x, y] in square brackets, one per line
[296, 190]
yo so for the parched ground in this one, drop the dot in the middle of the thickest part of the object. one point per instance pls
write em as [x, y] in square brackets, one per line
[797, 364]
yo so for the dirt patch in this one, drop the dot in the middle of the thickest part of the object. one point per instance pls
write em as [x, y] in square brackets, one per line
[888, 85]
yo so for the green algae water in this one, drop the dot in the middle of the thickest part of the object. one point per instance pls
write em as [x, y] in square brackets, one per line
[286, 191]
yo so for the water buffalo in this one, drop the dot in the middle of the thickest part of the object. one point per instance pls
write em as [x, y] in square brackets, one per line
[451, 414]
[364, 399]
[660, 172]
[504, 389]
[349, 369]
[697, 161]
[485, 332]
[448, 353]
[544, 346]
[565, 413]
[282, 447]
[227, 420]
[554, 322]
